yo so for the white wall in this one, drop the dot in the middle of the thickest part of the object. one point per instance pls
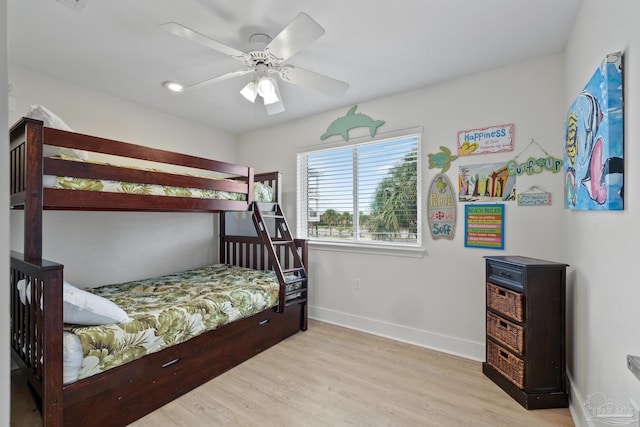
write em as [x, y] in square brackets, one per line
[602, 247]
[436, 300]
[4, 228]
[108, 247]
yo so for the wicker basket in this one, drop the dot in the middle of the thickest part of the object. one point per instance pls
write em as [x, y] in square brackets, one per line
[509, 334]
[505, 301]
[506, 363]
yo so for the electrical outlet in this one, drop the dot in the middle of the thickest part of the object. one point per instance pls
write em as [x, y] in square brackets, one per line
[356, 283]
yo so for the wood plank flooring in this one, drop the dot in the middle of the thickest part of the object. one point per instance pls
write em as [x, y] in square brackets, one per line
[333, 376]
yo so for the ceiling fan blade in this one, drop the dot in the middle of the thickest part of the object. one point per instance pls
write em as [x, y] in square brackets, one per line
[189, 34]
[276, 107]
[300, 32]
[220, 78]
[321, 83]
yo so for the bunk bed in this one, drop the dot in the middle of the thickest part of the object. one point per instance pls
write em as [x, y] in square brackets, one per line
[122, 394]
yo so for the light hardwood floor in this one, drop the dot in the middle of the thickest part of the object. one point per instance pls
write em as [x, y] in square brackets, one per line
[332, 376]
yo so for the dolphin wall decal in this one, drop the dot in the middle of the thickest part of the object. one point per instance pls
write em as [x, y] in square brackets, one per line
[342, 125]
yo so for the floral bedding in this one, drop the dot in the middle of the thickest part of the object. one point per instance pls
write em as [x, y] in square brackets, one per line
[171, 309]
[261, 192]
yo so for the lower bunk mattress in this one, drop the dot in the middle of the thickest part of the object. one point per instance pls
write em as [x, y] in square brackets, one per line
[165, 311]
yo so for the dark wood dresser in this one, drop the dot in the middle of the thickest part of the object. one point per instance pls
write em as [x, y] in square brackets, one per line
[526, 348]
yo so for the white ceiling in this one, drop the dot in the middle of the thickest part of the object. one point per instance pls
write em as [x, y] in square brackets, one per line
[380, 47]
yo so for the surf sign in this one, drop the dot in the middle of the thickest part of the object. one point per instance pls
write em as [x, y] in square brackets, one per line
[441, 208]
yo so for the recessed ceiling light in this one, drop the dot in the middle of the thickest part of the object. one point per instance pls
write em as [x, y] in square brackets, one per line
[173, 86]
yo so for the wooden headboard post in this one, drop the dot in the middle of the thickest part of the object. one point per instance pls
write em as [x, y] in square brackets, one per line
[26, 142]
[222, 231]
[250, 173]
[278, 187]
[36, 334]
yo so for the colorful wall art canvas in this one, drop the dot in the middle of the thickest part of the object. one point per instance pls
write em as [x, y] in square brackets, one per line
[486, 182]
[593, 157]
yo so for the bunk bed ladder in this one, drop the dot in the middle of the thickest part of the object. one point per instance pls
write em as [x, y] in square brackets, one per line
[284, 257]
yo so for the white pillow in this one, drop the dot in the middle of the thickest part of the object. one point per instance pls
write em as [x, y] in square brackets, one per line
[81, 307]
[50, 151]
[24, 291]
[84, 308]
[51, 120]
[71, 357]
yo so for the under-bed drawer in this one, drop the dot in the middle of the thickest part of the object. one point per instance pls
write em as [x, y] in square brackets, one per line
[138, 387]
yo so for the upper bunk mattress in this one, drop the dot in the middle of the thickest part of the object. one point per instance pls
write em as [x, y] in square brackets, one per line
[261, 191]
[171, 309]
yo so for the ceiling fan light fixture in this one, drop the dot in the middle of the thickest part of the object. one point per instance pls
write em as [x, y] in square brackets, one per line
[266, 87]
[270, 99]
[250, 91]
[267, 90]
[173, 86]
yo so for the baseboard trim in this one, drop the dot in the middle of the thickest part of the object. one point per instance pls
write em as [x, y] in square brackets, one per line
[576, 405]
[434, 341]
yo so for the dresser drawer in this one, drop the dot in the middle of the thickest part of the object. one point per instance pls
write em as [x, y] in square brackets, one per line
[507, 363]
[511, 277]
[505, 301]
[508, 334]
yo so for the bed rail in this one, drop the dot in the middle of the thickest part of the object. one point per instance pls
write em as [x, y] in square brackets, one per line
[36, 334]
[251, 252]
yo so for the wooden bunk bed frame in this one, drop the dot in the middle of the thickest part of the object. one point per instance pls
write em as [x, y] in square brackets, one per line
[126, 393]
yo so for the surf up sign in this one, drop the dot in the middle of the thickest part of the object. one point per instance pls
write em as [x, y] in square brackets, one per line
[494, 139]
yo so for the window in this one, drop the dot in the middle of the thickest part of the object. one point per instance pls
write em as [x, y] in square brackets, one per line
[378, 180]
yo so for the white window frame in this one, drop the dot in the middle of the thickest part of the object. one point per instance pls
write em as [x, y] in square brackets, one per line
[367, 246]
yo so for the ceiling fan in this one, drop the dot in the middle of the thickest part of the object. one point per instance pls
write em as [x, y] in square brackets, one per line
[299, 33]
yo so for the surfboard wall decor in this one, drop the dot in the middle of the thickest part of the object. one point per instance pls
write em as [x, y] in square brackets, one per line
[441, 208]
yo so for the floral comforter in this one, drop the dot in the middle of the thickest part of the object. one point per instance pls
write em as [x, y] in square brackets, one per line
[171, 309]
